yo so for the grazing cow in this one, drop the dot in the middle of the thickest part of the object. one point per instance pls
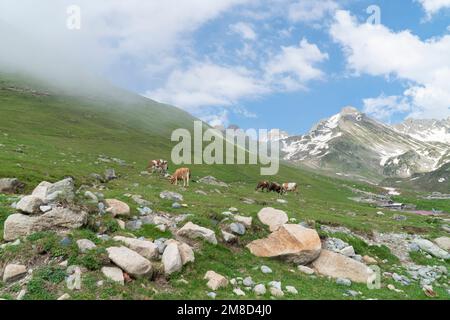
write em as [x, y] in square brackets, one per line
[290, 187]
[181, 174]
[160, 166]
[263, 185]
[275, 187]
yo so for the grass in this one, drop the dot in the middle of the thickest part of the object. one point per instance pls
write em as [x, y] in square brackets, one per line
[50, 137]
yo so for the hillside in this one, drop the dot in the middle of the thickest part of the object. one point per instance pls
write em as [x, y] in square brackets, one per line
[48, 133]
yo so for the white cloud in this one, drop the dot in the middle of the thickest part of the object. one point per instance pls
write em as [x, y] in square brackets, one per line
[384, 107]
[309, 11]
[296, 65]
[378, 51]
[220, 119]
[208, 84]
[431, 7]
[245, 30]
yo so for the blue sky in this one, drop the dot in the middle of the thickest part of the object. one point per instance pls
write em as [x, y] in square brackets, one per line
[257, 63]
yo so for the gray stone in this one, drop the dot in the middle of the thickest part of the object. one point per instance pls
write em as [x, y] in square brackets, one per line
[266, 269]
[432, 249]
[130, 261]
[176, 205]
[237, 228]
[443, 243]
[194, 231]
[171, 259]
[113, 273]
[228, 237]
[14, 272]
[169, 195]
[110, 174]
[248, 282]
[11, 185]
[145, 248]
[133, 225]
[212, 295]
[85, 245]
[344, 282]
[291, 290]
[91, 196]
[210, 180]
[61, 190]
[260, 290]
[29, 204]
[239, 292]
[305, 270]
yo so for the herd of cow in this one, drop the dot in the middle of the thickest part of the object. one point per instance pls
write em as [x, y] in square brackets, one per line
[161, 166]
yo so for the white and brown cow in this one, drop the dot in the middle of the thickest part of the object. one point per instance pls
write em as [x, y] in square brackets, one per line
[181, 174]
[290, 187]
[160, 166]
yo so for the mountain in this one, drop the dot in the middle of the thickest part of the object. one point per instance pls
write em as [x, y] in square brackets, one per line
[426, 129]
[353, 145]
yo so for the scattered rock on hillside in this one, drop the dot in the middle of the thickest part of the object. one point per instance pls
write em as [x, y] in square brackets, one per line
[246, 221]
[291, 242]
[336, 265]
[117, 207]
[212, 181]
[169, 195]
[110, 174]
[432, 249]
[228, 237]
[14, 272]
[305, 270]
[171, 259]
[443, 243]
[194, 231]
[260, 290]
[29, 205]
[11, 185]
[130, 261]
[145, 248]
[114, 274]
[215, 280]
[273, 218]
[237, 228]
[84, 245]
[61, 190]
[266, 269]
[58, 219]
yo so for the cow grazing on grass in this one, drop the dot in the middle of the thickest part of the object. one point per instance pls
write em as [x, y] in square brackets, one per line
[276, 187]
[263, 185]
[290, 187]
[159, 166]
[181, 174]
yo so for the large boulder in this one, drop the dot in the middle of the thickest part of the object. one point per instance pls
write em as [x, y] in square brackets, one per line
[336, 265]
[194, 231]
[117, 207]
[291, 242]
[41, 190]
[29, 204]
[61, 190]
[114, 274]
[14, 272]
[443, 243]
[431, 248]
[145, 248]
[130, 261]
[11, 185]
[171, 259]
[273, 218]
[58, 219]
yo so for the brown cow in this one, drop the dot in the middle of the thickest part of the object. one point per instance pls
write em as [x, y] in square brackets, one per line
[263, 185]
[276, 187]
[181, 174]
[290, 187]
[160, 166]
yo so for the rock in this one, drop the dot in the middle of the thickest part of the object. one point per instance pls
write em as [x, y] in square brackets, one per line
[14, 272]
[273, 218]
[29, 204]
[41, 190]
[212, 295]
[169, 195]
[130, 261]
[186, 253]
[432, 249]
[61, 190]
[348, 251]
[239, 292]
[246, 221]
[266, 269]
[291, 242]
[85, 245]
[212, 181]
[117, 207]
[171, 259]
[291, 290]
[248, 282]
[110, 174]
[142, 202]
[145, 248]
[443, 243]
[161, 245]
[65, 242]
[16, 226]
[95, 177]
[45, 209]
[276, 292]
[305, 270]
[21, 294]
[228, 237]
[65, 296]
[369, 260]
[176, 205]
[145, 211]
[91, 196]
[194, 231]
[237, 228]
[11, 185]
[282, 201]
[344, 282]
[73, 281]
[215, 280]
[134, 225]
[201, 192]
[114, 274]
[260, 290]
[336, 265]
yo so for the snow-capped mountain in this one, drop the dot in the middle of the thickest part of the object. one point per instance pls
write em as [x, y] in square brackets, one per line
[426, 130]
[354, 145]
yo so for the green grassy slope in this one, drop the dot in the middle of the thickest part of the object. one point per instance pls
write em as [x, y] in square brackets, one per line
[47, 137]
